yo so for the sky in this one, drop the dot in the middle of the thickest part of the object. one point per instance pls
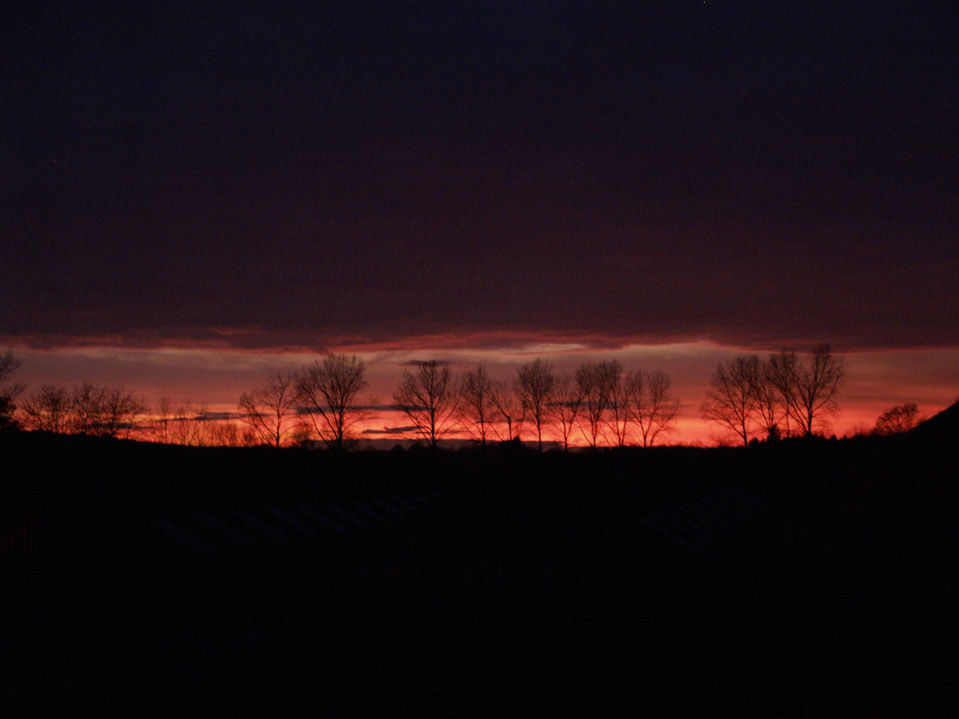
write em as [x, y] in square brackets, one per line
[197, 192]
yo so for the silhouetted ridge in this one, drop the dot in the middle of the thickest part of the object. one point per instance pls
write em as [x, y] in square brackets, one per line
[941, 427]
[509, 573]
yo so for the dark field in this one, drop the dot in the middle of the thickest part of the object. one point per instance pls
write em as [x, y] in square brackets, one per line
[794, 578]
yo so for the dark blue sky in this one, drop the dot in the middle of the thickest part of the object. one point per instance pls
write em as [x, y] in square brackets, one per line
[752, 173]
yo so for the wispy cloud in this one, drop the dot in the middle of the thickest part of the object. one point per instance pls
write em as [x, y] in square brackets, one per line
[391, 431]
[423, 363]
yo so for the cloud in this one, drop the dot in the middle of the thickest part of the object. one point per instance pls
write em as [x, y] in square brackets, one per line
[217, 416]
[391, 431]
[435, 214]
[423, 363]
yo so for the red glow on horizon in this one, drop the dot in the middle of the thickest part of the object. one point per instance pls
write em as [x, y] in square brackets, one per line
[214, 378]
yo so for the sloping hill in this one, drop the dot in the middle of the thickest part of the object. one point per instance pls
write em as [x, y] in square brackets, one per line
[486, 580]
[881, 563]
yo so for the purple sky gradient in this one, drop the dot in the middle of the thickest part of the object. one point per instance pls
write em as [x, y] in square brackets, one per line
[280, 179]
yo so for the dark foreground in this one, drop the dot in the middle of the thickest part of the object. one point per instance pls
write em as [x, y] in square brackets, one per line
[799, 579]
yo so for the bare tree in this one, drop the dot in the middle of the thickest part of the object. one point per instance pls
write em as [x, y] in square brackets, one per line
[534, 386]
[781, 371]
[770, 405]
[733, 398]
[621, 413]
[223, 433]
[898, 419]
[270, 410]
[181, 423]
[428, 398]
[808, 386]
[48, 409]
[509, 412]
[104, 411]
[596, 382]
[328, 391]
[301, 436]
[203, 428]
[655, 406]
[477, 406]
[565, 403]
[122, 412]
[86, 407]
[9, 363]
[162, 419]
[186, 426]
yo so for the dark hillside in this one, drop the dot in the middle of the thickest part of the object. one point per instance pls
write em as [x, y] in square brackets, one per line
[753, 580]
[881, 551]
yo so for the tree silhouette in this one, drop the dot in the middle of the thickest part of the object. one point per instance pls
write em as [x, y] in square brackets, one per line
[123, 412]
[565, 404]
[534, 387]
[9, 363]
[105, 411]
[179, 423]
[655, 405]
[328, 391]
[477, 406]
[509, 411]
[224, 433]
[808, 386]
[48, 409]
[622, 406]
[770, 405]
[86, 402]
[596, 384]
[733, 398]
[898, 419]
[429, 400]
[195, 426]
[162, 419]
[270, 410]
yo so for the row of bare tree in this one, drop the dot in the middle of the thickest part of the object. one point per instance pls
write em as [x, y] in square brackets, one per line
[9, 363]
[786, 394]
[603, 403]
[320, 401]
[112, 411]
[195, 426]
[282, 411]
[85, 408]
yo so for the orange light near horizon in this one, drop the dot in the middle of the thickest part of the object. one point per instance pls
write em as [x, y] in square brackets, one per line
[214, 379]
